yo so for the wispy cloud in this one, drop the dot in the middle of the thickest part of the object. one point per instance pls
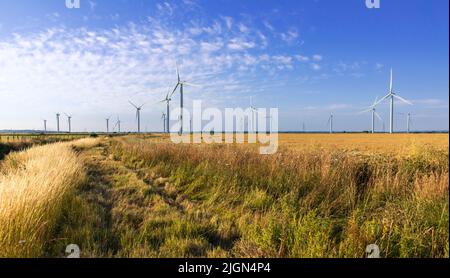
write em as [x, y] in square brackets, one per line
[84, 69]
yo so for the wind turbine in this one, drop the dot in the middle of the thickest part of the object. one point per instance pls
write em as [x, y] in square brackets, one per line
[138, 115]
[372, 109]
[391, 96]
[69, 119]
[117, 124]
[181, 84]
[408, 121]
[57, 122]
[167, 100]
[330, 122]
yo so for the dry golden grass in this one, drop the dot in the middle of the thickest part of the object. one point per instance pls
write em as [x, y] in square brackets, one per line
[399, 144]
[33, 186]
[366, 143]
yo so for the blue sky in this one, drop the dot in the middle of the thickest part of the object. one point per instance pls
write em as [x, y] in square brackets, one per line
[309, 58]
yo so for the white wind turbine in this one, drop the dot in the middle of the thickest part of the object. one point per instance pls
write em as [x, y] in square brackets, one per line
[69, 120]
[330, 122]
[117, 125]
[138, 115]
[391, 95]
[167, 100]
[408, 121]
[181, 84]
[372, 109]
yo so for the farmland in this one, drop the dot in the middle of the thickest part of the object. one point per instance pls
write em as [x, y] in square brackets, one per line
[320, 195]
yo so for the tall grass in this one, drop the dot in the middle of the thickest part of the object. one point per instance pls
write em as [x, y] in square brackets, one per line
[34, 185]
[298, 204]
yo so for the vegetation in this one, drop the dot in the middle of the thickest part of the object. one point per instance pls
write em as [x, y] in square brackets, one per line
[14, 142]
[34, 185]
[146, 197]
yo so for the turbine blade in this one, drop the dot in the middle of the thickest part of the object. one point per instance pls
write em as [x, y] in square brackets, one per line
[376, 100]
[178, 73]
[135, 106]
[365, 111]
[391, 82]
[402, 99]
[192, 85]
[381, 100]
[378, 116]
[174, 90]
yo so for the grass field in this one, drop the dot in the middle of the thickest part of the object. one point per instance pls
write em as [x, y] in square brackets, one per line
[16, 142]
[321, 195]
[400, 144]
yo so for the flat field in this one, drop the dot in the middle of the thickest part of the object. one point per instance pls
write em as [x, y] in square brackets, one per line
[320, 195]
[367, 143]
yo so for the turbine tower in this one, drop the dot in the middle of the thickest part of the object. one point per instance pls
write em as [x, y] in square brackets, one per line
[391, 96]
[372, 109]
[408, 122]
[181, 84]
[57, 122]
[69, 120]
[138, 115]
[163, 118]
[45, 125]
[254, 124]
[107, 124]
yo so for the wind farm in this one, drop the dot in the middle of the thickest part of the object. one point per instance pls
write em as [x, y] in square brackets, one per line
[255, 131]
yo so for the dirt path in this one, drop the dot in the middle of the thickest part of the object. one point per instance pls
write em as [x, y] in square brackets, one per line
[124, 212]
